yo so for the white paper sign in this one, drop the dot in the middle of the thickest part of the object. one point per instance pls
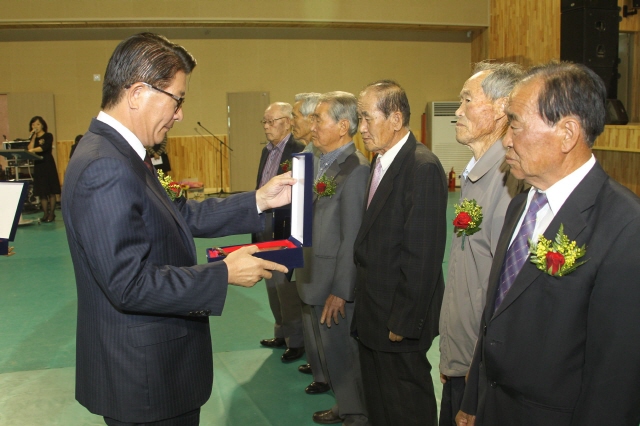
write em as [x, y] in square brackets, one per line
[9, 202]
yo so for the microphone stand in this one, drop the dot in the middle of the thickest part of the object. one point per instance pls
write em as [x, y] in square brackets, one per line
[219, 149]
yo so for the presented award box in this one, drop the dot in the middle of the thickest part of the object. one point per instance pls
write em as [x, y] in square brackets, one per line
[287, 252]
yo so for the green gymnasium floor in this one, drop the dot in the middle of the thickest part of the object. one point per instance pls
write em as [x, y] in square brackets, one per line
[251, 387]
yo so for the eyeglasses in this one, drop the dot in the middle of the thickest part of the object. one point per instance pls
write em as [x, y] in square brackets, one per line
[179, 100]
[270, 122]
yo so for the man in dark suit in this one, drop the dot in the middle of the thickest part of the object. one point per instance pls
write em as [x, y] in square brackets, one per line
[143, 342]
[559, 346]
[283, 297]
[398, 254]
[327, 282]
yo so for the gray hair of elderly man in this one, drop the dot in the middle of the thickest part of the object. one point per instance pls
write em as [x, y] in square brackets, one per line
[309, 102]
[342, 106]
[285, 108]
[502, 78]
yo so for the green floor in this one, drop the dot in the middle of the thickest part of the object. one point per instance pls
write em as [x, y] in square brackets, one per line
[37, 350]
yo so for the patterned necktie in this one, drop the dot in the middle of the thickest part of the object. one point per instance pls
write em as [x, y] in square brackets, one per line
[375, 180]
[270, 167]
[519, 250]
[147, 162]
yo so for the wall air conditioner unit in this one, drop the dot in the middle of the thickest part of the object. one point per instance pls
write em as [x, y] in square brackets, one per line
[441, 125]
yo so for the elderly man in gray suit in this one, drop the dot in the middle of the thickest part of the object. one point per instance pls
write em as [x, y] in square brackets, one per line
[482, 123]
[327, 281]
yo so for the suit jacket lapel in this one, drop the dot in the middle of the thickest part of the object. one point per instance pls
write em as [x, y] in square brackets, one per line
[333, 172]
[150, 180]
[570, 215]
[385, 187]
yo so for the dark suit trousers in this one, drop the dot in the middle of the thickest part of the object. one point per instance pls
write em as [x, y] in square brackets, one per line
[310, 346]
[398, 388]
[452, 393]
[286, 307]
[192, 418]
[341, 363]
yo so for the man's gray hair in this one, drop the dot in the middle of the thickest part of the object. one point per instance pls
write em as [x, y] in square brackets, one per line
[501, 80]
[342, 106]
[309, 102]
[285, 108]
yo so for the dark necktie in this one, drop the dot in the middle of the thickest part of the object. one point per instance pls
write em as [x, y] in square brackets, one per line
[519, 250]
[147, 162]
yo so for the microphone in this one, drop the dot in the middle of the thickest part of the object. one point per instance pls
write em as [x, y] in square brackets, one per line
[216, 138]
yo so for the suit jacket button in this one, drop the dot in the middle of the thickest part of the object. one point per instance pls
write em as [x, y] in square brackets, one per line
[494, 384]
[208, 312]
[484, 330]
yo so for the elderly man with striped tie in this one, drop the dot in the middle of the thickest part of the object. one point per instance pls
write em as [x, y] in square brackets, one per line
[559, 337]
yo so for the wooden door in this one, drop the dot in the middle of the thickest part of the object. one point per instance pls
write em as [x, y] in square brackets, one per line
[246, 137]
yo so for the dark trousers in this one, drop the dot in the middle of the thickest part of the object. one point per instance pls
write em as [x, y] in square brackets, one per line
[192, 418]
[398, 388]
[452, 393]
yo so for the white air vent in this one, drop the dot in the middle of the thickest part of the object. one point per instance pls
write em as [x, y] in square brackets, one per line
[441, 117]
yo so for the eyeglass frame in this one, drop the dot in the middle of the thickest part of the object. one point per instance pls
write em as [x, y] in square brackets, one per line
[271, 122]
[179, 99]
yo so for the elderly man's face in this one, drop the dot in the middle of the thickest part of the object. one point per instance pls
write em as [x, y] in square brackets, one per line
[377, 131]
[300, 125]
[157, 111]
[476, 114]
[533, 147]
[277, 124]
[325, 131]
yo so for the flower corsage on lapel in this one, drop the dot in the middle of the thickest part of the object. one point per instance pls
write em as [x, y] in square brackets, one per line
[468, 218]
[556, 258]
[324, 186]
[173, 188]
[285, 166]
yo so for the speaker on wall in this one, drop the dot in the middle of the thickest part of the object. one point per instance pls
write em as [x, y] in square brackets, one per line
[590, 36]
[594, 4]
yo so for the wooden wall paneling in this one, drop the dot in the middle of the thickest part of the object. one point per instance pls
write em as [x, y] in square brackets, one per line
[621, 166]
[190, 156]
[630, 23]
[524, 32]
[619, 138]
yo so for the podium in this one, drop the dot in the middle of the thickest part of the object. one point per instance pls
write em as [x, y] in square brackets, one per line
[13, 195]
[19, 156]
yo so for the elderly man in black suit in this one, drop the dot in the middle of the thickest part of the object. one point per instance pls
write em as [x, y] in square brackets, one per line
[143, 342]
[398, 253]
[283, 297]
[560, 333]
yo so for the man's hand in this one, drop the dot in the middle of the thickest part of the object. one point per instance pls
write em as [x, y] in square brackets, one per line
[464, 419]
[245, 270]
[395, 337]
[276, 192]
[332, 306]
[443, 378]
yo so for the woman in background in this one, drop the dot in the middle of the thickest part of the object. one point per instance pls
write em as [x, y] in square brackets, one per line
[45, 174]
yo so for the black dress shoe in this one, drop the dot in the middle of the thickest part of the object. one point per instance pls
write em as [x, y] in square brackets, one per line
[317, 387]
[276, 342]
[326, 417]
[291, 354]
[305, 369]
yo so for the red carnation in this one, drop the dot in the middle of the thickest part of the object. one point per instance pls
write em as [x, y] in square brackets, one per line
[285, 167]
[321, 187]
[554, 262]
[462, 220]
